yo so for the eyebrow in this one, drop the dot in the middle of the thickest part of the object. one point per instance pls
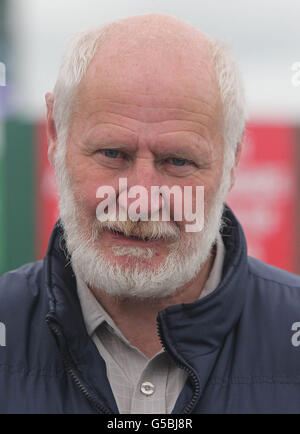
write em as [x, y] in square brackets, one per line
[184, 153]
[196, 147]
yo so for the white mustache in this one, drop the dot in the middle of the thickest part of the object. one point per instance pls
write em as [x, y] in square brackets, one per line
[144, 230]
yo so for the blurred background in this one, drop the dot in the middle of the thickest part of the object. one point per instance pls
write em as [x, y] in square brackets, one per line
[265, 38]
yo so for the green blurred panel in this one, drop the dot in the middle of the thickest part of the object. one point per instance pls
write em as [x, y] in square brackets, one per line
[19, 194]
[2, 143]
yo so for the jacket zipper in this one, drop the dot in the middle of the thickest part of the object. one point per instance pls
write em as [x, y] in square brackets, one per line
[74, 375]
[189, 407]
[94, 401]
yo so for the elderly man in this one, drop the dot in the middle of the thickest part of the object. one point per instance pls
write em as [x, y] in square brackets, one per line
[139, 315]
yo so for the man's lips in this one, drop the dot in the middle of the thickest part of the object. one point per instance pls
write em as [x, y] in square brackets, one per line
[130, 240]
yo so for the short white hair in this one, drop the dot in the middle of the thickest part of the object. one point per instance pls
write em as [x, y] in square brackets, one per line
[81, 52]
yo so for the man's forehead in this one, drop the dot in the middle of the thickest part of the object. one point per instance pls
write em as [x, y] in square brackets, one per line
[151, 61]
[156, 41]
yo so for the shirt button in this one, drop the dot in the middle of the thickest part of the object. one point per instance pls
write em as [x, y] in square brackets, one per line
[147, 388]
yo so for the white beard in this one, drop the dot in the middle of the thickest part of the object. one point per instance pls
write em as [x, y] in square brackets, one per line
[181, 265]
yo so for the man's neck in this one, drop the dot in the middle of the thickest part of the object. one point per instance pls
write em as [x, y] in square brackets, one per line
[137, 318]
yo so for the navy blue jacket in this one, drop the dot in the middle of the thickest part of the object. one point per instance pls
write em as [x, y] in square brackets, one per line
[239, 344]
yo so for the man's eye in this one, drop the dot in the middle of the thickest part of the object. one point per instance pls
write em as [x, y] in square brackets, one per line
[111, 153]
[179, 161]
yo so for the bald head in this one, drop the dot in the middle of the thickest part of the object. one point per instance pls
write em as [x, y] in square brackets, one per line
[155, 40]
[155, 58]
[156, 31]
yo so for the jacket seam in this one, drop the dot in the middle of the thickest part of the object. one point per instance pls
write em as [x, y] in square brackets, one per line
[265, 378]
[22, 370]
[273, 281]
[262, 381]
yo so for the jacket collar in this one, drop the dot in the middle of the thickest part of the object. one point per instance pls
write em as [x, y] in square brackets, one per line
[65, 313]
[194, 333]
[205, 323]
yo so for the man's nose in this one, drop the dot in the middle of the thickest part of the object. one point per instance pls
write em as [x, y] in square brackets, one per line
[138, 194]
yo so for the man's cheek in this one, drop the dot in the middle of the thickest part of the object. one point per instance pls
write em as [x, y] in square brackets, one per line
[88, 202]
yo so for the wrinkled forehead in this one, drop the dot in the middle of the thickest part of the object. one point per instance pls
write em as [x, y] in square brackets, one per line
[153, 64]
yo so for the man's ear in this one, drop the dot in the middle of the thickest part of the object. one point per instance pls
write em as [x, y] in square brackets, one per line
[238, 153]
[51, 130]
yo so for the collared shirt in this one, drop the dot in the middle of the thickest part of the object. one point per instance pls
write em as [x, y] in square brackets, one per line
[140, 385]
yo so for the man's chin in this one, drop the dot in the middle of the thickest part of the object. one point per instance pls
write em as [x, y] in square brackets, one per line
[129, 276]
[149, 261]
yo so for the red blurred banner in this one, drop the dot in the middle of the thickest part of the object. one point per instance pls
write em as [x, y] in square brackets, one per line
[265, 198]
